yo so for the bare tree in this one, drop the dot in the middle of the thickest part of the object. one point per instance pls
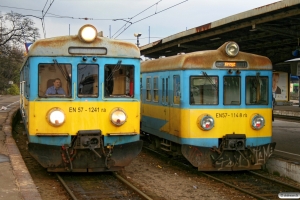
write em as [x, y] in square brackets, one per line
[17, 29]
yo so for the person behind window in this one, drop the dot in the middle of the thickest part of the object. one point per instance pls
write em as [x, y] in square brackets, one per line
[56, 88]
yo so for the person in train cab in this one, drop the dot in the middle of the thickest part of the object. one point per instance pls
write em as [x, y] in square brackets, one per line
[275, 88]
[56, 88]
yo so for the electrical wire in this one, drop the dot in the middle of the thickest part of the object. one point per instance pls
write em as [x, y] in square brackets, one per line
[43, 16]
[127, 20]
[150, 16]
[61, 16]
[20, 8]
[134, 17]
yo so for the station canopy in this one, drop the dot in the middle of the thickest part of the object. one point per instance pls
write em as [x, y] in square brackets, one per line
[271, 30]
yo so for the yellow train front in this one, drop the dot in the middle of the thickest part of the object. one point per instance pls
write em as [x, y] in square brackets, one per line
[80, 102]
[214, 107]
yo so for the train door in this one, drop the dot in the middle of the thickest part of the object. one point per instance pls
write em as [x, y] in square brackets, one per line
[174, 106]
[165, 100]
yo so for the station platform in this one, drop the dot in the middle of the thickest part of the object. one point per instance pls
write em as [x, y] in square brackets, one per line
[292, 109]
[16, 182]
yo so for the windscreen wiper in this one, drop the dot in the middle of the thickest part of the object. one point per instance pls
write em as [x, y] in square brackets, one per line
[210, 80]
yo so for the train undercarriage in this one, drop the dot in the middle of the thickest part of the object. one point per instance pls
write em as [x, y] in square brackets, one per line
[86, 154]
[230, 155]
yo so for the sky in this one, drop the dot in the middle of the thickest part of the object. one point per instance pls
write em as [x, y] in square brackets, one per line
[154, 19]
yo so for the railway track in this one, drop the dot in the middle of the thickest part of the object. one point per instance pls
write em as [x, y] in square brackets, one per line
[100, 186]
[74, 185]
[252, 183]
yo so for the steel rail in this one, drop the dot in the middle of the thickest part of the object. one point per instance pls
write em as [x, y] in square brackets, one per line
[271, 179]
[238, 188]
[131, 186]
[66, 187]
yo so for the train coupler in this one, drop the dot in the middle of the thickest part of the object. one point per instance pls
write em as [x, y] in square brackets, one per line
[90, 139]
[233, 142]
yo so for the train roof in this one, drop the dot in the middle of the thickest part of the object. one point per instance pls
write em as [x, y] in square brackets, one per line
[59, 46]
[205, 60]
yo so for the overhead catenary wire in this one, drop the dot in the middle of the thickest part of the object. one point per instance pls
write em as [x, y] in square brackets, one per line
[135, 16]
[150, 16]
[52, 15]
[127, 20]
[43, 16]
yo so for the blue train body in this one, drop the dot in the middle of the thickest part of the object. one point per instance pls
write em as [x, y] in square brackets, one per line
[80, 101]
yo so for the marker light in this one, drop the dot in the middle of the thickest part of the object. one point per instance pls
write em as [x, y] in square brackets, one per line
[232, 49]
[206, 122]
[258, 122]
[56, 117]
[118, 117]
[87, 33]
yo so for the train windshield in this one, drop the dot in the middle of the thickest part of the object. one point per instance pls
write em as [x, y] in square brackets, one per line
[257, 90]
[87, 78]
[204, 90]
[232, 90]
[118, 80]
[55, 80]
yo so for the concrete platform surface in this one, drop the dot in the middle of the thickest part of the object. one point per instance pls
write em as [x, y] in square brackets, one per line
[15, 180]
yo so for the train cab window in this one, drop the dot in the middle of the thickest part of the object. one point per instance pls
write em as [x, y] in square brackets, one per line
[232, 90]
[204, 90]
[176, 89]
[54, 80]
[87, 79]
[148, 88]
[118, 81]
[257, 90]
[155, 89]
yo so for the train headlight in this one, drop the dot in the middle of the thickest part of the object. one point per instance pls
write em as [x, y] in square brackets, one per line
[206, 122]
[118, 117]
[56, 117]
[87, 33]
[232, 49]
[258, 122]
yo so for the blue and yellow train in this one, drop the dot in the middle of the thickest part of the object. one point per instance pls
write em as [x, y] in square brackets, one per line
[80, 102]
[213, 107]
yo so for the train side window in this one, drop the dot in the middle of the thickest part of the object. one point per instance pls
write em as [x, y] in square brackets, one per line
[155, 89]
[167, 89]
[204, 90]
[87, 79]
[54, 80]
[118, 80]
[27, 83]
[232, 90]
[141, 88]
[257, 90]
[176, 89]
[148, 89]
